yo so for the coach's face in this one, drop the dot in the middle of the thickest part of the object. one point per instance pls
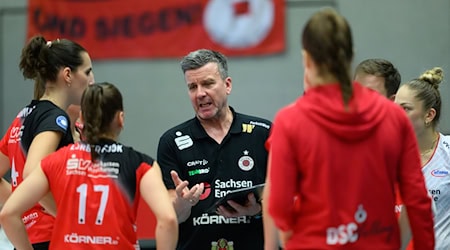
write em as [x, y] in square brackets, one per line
[208, 91]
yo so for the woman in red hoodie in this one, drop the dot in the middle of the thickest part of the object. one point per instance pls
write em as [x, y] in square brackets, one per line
[339, 150]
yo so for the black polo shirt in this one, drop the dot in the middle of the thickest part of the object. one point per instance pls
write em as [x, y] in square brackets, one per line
[239, 161]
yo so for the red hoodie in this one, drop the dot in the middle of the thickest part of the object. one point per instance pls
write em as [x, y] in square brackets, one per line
[343, 164]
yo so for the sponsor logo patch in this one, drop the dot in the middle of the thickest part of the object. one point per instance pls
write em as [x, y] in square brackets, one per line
[62, 122]
[183, 141]
[439, 173]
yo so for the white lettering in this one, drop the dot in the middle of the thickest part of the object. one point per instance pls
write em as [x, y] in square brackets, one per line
[332, 236]
[16, 133]
[398, 208]
[89, 239]
[197, 162]
[229, 186]
[28, 217]
[343, 234]
[206, 219]
[219, 193]
[81, 146]
[84, 167]
[261, 124]
[25, 112]
[233, 184]
[113, 148]
[346, 233]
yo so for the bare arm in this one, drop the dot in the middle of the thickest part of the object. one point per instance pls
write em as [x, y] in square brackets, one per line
[43, 144]
[414, 193]
[183, 198]
[156, 196]
[270, 230]
[271, 241]
[5, 190]
[24, 197]
[5, 186]
[405, 230]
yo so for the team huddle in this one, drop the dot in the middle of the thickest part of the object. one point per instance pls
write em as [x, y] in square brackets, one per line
[356, 162]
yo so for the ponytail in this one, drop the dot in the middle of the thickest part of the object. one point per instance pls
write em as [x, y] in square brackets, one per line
[92, 115]
[328, 39]
[99, 104]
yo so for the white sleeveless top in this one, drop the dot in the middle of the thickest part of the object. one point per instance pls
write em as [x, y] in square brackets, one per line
[437, 178]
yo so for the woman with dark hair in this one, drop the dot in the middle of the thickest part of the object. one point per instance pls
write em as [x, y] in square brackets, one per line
[61, 70]
[337, 153]
[97, 184]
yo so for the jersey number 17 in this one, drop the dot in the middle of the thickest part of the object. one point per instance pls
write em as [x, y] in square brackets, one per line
[82, 190]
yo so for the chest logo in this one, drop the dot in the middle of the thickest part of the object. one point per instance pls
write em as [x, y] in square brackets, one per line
[246, 162]
[194, 163]
[206, 191]
[247, 128]
[183, 141]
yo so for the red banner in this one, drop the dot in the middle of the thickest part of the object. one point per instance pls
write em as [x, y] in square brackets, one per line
[162, 28]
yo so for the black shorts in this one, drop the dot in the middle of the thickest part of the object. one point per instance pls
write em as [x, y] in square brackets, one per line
[40, 246]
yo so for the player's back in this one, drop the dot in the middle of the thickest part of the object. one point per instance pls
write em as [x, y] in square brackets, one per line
[96, 201]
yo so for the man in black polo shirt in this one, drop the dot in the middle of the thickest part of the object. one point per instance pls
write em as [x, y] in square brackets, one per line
[217, 151]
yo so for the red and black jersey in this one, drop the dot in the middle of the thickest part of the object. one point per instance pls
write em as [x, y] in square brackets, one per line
[97, 201]
[37, 117]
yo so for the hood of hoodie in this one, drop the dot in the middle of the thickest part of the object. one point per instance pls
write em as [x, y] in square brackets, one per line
[324, 105]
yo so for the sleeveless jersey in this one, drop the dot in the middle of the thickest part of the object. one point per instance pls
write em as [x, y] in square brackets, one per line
[97, 202]
[437, 179]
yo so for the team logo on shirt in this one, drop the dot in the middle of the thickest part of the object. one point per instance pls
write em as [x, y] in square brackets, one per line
[183, 141]
[347, 232]
[439, 173]
[62, 122]
[247, 128]
[246, 162]
[222, 244]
